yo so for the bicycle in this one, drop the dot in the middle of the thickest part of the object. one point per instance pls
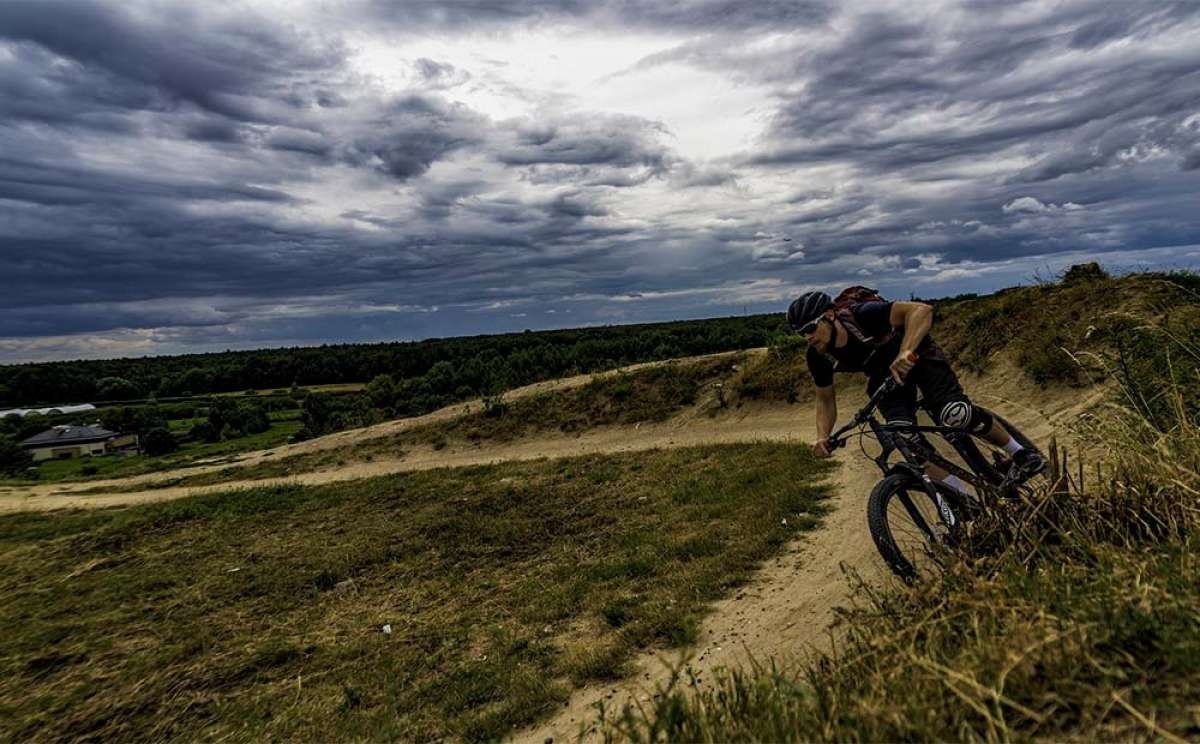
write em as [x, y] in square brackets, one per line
[930, 511]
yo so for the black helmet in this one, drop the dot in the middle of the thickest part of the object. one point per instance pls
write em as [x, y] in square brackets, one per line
[807, 308]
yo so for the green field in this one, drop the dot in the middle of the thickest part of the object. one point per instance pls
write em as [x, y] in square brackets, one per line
[258, 614]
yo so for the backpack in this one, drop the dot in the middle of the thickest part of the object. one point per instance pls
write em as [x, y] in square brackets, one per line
[843, 310]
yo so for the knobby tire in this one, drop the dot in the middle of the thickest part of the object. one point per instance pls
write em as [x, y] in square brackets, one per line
[898, 488]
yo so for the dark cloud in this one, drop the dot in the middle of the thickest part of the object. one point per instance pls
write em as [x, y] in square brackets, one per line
[299, 140]
[981, 87]
[681, 15]
[440, 75]
[406, 135]
[589, 139]
[175, 56]
[215, 130]
[30, 181]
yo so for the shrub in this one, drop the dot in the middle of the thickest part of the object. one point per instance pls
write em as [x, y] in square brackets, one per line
[158, 442]
[13, 459]
[1088, 272]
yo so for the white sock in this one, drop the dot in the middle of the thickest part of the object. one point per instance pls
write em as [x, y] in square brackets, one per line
[956, 483]
[1013, 446]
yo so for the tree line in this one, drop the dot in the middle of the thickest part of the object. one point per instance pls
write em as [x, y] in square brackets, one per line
[419, 375]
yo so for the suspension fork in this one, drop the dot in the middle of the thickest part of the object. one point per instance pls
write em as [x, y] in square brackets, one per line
[914, 466]
[945, 512]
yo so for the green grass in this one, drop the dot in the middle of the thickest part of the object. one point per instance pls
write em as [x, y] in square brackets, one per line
[184, 425]
[780, 375]
[229, 615]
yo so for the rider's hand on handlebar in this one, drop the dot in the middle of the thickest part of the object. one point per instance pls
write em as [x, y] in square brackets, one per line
[823, 448]
[903, 365]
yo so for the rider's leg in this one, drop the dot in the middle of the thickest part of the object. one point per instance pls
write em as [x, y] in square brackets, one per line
[1000, 437]
[900, 407]
[950, 406]
[945, 399]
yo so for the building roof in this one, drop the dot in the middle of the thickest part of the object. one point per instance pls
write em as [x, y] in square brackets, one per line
[59, 435]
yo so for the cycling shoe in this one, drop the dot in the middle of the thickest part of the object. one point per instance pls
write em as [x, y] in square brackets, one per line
[1028, 463]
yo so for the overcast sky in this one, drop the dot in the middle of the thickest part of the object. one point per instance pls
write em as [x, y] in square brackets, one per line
[198, 176]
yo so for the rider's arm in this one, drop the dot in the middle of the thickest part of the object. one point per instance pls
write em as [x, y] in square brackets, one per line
[826, 412]
[916, 318]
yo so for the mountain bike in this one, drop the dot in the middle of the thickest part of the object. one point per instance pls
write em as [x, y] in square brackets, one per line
[912, 516]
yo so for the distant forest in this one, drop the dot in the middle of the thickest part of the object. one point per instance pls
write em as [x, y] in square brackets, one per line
[425, 373]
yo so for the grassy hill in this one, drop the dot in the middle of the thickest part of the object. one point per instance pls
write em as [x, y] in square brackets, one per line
[1072, 616]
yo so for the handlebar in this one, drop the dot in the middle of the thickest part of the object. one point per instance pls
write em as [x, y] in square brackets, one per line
[838, 439]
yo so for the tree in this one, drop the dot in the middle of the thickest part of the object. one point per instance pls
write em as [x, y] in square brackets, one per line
[13, 459]
[442, 378]
[230, 419]
[159, 441]
[116, 388]
[381, 391]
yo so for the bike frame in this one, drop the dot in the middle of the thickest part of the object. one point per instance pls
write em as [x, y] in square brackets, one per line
[917, 454]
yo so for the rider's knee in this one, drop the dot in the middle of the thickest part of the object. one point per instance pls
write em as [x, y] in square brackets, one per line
[961, 414]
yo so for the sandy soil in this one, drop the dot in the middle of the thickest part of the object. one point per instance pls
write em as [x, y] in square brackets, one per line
[785, 611]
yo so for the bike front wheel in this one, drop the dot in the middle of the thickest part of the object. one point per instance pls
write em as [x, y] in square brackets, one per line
[909, 527]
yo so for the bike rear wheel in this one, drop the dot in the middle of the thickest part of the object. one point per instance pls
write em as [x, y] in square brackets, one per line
[907, 525]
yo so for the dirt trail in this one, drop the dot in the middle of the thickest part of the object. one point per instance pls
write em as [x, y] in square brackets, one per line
[784, 611]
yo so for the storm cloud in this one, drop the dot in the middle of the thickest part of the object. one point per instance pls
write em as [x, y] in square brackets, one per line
[179, 177]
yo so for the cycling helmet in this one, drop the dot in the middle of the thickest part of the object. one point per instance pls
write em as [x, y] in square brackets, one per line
[806, 309]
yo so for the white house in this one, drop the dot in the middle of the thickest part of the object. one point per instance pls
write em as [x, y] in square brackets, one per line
[64, 442]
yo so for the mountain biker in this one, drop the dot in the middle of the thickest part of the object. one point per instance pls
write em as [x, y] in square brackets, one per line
[862, 332]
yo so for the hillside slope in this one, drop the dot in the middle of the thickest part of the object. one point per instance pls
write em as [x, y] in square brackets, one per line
[1071, 615]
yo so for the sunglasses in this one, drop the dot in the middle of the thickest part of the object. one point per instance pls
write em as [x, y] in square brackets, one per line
[808, 328]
